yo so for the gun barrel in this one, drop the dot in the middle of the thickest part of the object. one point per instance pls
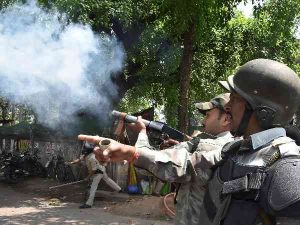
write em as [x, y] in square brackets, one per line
[159, 126]
[132, 119]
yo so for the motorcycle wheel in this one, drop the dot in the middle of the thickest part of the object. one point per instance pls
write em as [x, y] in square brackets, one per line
[69, 176]
[10, 176]
[51, 170]
[60, 172]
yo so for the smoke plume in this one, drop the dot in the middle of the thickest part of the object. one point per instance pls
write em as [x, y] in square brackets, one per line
[54, 67]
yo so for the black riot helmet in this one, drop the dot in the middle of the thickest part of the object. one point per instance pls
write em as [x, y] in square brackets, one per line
[271, 89]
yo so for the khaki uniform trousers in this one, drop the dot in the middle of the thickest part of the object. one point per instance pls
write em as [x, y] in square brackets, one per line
[96, 179]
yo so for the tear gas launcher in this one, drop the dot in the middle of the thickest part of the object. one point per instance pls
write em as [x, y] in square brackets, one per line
[167, 131]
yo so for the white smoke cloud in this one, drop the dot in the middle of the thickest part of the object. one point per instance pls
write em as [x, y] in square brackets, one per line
[54, 67]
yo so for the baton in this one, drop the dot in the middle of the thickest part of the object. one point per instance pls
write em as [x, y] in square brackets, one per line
[67, 184]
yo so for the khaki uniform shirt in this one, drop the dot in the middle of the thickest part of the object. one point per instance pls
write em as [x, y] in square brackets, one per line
[93, 164]
[177, 164]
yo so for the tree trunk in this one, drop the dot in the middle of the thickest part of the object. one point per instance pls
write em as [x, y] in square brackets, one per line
[185, 77]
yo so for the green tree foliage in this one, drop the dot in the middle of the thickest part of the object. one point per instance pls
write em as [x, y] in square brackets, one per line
[11, 113]
[158, 36]
[223, 46]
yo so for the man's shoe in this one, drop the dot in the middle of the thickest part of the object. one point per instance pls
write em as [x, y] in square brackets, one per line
[85, 206]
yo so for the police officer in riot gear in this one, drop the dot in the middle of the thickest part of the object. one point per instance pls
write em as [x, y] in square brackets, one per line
[258, 177]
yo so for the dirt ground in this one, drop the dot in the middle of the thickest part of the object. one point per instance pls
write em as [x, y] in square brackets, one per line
[31, 202]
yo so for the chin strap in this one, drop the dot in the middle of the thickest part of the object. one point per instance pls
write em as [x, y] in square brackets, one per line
[245, 120]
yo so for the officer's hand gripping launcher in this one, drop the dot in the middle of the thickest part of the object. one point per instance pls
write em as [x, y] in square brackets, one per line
[155, 125]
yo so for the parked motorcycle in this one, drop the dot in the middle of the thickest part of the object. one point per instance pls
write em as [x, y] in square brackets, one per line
[33, 166]
[57, 169]
[13, 169]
